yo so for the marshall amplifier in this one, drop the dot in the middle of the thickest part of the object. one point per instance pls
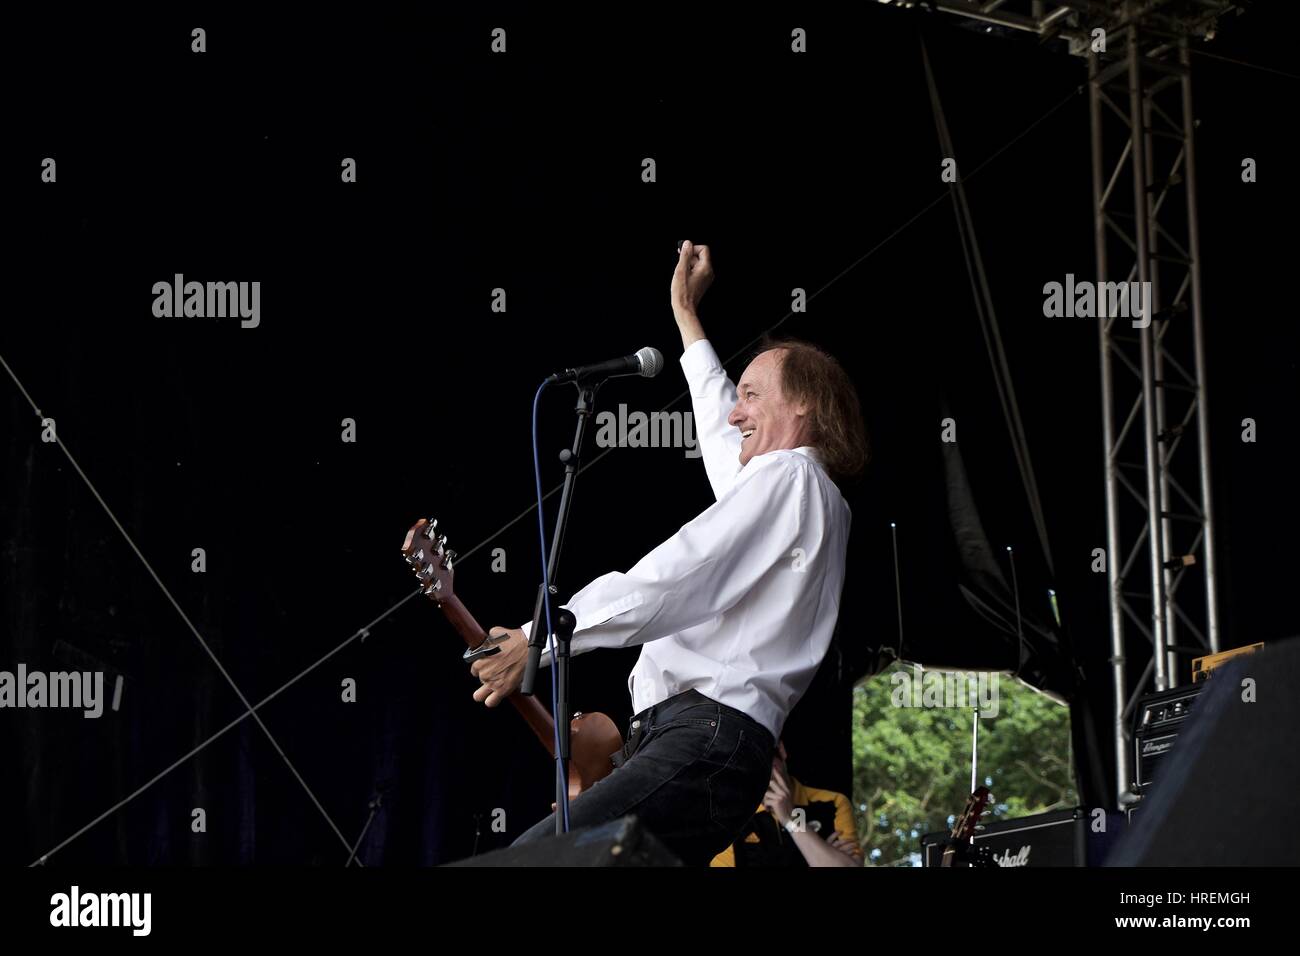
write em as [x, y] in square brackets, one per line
[1059, 838]
[1157, 722]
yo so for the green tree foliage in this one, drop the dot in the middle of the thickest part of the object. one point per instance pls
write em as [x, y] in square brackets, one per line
[912, 764]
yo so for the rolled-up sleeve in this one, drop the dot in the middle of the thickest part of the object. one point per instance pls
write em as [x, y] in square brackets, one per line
[706, 567]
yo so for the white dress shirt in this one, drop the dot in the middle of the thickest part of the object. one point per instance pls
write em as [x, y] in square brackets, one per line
[740, 603]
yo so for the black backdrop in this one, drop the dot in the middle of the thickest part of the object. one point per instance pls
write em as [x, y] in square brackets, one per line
[523, 172]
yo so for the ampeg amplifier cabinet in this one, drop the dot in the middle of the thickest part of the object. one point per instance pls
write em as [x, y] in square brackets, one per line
[1157, 722]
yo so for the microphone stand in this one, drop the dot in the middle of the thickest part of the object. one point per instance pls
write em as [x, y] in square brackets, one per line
[564, 621]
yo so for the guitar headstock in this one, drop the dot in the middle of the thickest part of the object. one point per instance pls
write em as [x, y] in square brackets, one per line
[429, 557]
[964, 828]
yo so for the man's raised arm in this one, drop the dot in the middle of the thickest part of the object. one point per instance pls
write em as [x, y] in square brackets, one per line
[713, 395]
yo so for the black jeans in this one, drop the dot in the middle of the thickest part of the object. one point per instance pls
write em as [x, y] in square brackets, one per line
[692, 770]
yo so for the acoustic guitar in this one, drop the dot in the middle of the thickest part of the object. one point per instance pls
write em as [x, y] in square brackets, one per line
[594, 738]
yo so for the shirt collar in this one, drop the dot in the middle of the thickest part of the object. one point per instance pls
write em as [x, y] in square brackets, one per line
[810, 452]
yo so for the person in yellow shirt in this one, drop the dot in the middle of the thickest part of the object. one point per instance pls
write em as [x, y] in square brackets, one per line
[796, 826]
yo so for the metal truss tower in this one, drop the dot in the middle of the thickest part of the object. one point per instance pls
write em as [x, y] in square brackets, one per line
[1160, 536]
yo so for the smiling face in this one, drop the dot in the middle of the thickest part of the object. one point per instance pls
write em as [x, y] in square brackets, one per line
[767, 420]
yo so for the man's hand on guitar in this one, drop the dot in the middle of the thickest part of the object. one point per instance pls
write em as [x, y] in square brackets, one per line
[503, 672]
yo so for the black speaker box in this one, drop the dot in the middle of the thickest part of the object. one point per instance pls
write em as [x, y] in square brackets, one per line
[1058, 838]
[1226, 795]
[622, 842]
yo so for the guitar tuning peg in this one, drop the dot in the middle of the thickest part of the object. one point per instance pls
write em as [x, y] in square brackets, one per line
[429, 528]
[451, 556]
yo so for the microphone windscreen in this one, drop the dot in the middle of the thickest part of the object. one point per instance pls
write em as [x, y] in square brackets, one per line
[652, 361]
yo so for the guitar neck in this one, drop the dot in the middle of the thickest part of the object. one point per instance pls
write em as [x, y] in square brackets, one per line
[463, 621]
[537, 716]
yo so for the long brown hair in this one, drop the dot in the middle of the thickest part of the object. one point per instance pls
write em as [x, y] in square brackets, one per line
[810, 374]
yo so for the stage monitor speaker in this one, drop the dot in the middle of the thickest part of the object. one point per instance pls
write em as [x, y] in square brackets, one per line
[1226, 795]
[622, 842]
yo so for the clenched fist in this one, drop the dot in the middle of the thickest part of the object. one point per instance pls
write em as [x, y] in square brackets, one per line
[691, 279]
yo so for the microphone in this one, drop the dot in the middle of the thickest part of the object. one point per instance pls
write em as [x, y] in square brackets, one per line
[647, 363]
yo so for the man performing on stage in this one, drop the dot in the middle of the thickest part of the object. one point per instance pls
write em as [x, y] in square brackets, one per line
[735, 611]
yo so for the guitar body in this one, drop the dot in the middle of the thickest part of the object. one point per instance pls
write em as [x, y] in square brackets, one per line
[593, 738]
